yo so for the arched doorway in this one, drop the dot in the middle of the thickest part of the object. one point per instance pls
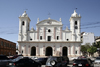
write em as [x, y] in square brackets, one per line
[33, 51]
[64, 51]
[48, 51]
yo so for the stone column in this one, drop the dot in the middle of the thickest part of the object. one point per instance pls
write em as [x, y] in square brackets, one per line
[69, 53]
[44, 33]
[37, 51]
[29, 53]
[61, 50]
[54, 50]
[73, 50]
[24, 49]
[43, 50]
[38, 33]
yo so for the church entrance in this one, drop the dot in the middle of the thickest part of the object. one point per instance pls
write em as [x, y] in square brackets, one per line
[33, 51]
[64, 51]
[48, 51]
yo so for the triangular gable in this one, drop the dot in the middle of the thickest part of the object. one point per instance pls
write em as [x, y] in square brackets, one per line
[49, 22]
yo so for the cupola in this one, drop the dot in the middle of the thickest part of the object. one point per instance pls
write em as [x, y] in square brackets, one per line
[75, 14]
[24, 14]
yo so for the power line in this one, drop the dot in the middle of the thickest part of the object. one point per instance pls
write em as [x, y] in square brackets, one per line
[89, 24]
[90, 27]
[93, 23]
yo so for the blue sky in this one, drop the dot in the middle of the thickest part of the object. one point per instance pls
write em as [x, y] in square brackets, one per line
[11, 9]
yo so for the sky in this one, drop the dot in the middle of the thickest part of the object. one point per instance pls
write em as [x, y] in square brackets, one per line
[10, 10]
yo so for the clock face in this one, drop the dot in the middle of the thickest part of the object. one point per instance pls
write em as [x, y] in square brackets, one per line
[49, 22]
[76, 27]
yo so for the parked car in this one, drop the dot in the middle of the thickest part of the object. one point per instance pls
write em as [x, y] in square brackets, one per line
[42, 60]
[3, 60]
[97, 61]
[15, 56]
[16, 59]
[24, 62]
[34, 57]
[57, 61]
[83, 62]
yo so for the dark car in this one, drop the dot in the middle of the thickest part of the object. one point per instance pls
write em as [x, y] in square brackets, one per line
[57, 61]
[24, 62]
[83, 62]
[42, 60]
[3, 60]
[15, 56]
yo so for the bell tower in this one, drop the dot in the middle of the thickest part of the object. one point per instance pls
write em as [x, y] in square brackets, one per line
[24, 22]
[75, 26]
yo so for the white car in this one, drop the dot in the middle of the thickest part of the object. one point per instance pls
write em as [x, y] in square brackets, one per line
[97, 62]
[73, 58]
[34, 57]
[16, 59]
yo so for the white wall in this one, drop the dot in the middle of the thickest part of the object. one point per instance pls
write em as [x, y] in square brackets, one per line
[88, 38]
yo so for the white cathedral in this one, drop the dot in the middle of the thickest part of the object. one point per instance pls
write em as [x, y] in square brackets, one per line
[49, 39]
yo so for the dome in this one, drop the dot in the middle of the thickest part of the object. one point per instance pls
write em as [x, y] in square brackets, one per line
[24, 14]
[74, 14]
[32, 29]
[66, 29]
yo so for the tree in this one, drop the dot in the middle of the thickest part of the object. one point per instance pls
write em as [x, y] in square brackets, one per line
[92, 50]
[84, 48]
[96, 44]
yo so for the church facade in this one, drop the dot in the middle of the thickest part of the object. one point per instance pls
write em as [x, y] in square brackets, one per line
[49, 39]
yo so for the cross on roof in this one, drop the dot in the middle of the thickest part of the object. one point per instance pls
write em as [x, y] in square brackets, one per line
[75, 8]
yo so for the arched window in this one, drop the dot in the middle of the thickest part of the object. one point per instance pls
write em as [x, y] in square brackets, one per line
[49, 51]
[75, 22]
[33, 51]
[64, 51]
[23, 23]
[75, 52]
[57, 37]
[22, 51]
[1, 43]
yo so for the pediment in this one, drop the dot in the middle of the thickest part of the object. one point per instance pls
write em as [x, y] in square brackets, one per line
[49, 22]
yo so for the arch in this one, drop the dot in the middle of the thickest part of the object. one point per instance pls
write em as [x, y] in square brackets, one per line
[48, 51]
[33, 51]
[23, 22]
[64, 51]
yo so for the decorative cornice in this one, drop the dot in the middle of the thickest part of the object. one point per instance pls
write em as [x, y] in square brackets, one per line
[49, 42]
